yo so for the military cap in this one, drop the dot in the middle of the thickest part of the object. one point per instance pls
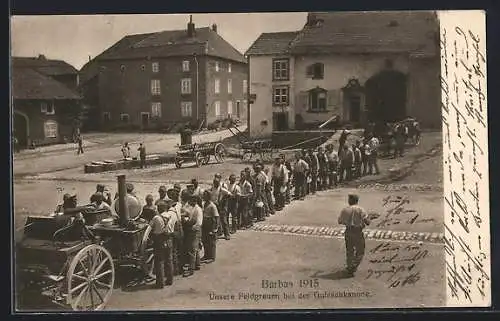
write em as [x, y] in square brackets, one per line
[162, 189]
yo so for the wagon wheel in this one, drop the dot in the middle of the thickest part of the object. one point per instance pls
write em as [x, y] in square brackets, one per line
[206, 160]
[146, 253]
[198, 158]
[178, 162]
[91, 276]
[219, 152]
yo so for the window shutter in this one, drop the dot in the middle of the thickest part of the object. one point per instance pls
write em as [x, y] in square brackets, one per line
[309, 70]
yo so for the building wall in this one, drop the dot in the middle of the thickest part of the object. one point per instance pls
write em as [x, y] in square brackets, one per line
[338, 70]
[129, 91]
[70, 80]
[239, 73]
[425, 91]
[261, 85]
[30, 110]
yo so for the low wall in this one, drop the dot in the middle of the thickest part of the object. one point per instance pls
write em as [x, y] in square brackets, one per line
[295, 139]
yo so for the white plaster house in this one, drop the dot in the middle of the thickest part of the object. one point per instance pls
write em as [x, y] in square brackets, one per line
[359, 66]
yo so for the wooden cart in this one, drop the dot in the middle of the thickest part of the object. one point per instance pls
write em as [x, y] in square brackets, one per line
[200, 154]
[72, 261]
[263, 149]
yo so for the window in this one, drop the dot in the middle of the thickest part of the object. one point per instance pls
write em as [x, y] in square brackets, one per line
[217, 86]
[155, 87]
[217, 108]
[229, 67]
[186, 86]
[317, 100]
[155, 66]
[280, 69]
[316, 71]
[47, 108]
[50, 129]
[217, 66]
[124, 118]
[229, 107]
[245, 86]
[186, 108]
[280, 96]
[185, 65]
[106, 116]
[156, 109]
[229, 86]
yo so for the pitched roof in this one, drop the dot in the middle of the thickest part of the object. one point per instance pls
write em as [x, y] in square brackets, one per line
[272, 43]
[174, 43]
[377, 31]
[49, 67]
[27, 83]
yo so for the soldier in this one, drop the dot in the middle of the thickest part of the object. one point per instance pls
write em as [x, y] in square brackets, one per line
[69, 202]
[220, 194]
[232, 204]
[322, 169]
[333, 165]
[149, 210]
[209, 228]
[288, 177]
[142, 154]
[178, 237]
[192, 218]
[268, 203]
[162, 192]
[244, 213]
[343, 139]
[79, 140]
[101, 188]
[307, 158]
[346, 162]
[373, 159]
[126, 150]
[300, 171]
[399, 138]
[162, 230]
[260, 193]
[357, 159]
[355, 219]
[278, 181]
[97, 200]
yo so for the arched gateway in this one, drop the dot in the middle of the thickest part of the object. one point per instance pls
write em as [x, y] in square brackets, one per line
[385, 94]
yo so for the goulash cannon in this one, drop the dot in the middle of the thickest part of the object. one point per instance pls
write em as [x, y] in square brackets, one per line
[71, 258]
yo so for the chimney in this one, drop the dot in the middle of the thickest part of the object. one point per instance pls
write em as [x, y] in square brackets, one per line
[312, 18]
[41, 57]
[214, 27]
[190, 27]
[90, 58]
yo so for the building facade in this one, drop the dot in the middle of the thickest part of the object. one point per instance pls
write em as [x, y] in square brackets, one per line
[44, 107]
[158, 80]
[349, 67]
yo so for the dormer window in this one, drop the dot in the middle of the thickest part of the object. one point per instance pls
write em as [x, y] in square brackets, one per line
[316, 71]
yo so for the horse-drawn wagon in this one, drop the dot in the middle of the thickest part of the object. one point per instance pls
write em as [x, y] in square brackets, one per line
[200, 153]
[72, 258]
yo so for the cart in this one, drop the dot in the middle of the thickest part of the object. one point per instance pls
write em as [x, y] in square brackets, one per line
[261, 148]
[200, 153]
[72, 262]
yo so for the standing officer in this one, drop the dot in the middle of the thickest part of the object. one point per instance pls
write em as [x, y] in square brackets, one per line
[355, 220]
[209, 227]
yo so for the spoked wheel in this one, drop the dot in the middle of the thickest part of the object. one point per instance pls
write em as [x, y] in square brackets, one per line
[178, 162]
[220, 153]
[146, 254]
[206, 160]
[91, 277]
[198, 158]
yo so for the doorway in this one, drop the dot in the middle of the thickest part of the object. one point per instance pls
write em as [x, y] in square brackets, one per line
[355, 108]
[280, 120]
[386, 96]
[145, 120]
[21, 129]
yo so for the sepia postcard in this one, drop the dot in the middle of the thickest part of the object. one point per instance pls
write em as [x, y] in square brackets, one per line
[243, 161]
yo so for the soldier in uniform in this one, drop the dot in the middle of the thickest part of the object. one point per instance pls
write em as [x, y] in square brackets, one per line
[178, 237]
[346, 162]
[149, 210]
[355, 219]
[142, 154]
[246, 190]
[219, 196]
[313, 167]
[289, 178]
[300, 176]
[307, 158]
[260, 193]
[100, 188]
[192, 220]
[232, 204]
[209, 227]
[162, 192]
[278, 181]
[268, 204]
[323, 169]
[333, 165]
[162, 231]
